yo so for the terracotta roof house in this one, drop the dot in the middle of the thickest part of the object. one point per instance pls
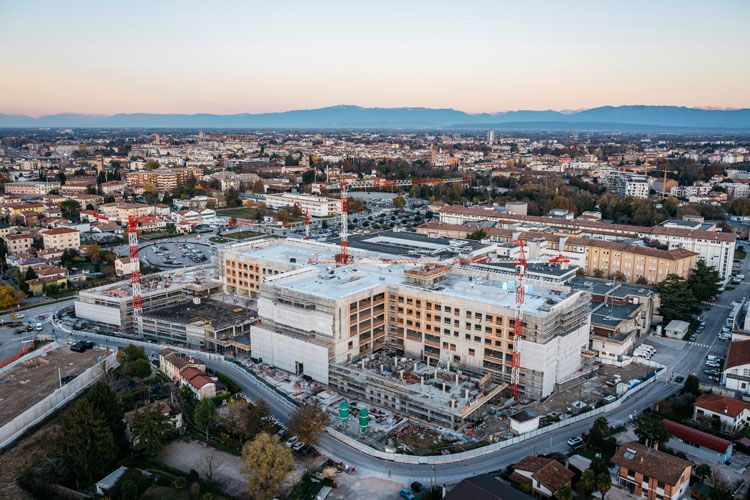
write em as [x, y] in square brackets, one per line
[733, 414]
[545, 475]
[485, 487]
[736, 376]
[651, 474]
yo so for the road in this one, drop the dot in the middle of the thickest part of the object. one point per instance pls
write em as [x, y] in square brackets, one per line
[445, 473]
[10, 343]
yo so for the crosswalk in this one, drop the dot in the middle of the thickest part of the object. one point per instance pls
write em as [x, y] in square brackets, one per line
[696, 344]
[712, 304]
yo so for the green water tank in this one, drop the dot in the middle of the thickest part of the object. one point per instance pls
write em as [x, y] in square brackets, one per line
[364, 420]
[344, 411]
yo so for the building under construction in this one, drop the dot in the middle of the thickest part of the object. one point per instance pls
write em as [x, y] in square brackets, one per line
[315, 317]
[430, 391]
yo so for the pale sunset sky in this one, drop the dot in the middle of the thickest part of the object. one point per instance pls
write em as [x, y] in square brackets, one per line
[221, 56]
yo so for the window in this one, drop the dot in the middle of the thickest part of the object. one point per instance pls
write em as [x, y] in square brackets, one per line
[472, 352]
[660, 484]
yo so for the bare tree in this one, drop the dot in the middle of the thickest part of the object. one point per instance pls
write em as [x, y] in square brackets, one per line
[210, 463]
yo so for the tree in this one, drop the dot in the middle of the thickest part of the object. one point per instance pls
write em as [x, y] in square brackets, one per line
[740, 206]
[282, 215]
[204, 415]
[69, 258]
[210, 462]
[603, 483]
[9, 297]
[587, 483]
[704, 281]
[677, 301]
[30, 274]
[650, 429]
[691, 386]
[399, 202]
[105, 400]
[133, 361]
[258, 186]
[479, 234]
[152, 165]
[87, 445]
[232, 198]
[150, 430]
[308, 422]
[598, 432]
[265, 463]
[702, 471]
[563, 493]
[71, 210]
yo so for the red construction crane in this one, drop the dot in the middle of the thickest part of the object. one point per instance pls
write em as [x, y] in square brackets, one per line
[515, 373]
[561, 259]
[343, 256]
[307, 224]
[135, 273]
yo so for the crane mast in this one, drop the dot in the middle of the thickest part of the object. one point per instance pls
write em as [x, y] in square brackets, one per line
[343, 256]
[135, 274]
[515, 374]
[307, 224]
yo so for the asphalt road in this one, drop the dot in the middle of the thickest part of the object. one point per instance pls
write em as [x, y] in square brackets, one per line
[10, 343]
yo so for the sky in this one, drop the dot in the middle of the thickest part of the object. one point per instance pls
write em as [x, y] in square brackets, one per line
[222, 56]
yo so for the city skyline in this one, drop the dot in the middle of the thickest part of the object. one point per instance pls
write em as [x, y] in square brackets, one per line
[86, 57]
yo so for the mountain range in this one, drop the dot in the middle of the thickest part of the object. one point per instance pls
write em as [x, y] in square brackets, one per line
[609, 118]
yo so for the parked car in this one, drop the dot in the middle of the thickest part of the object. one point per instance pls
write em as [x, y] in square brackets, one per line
[290, 442]
[575, 441]
[407, 494]
[715, 373]
[679, 379]
[418, 487]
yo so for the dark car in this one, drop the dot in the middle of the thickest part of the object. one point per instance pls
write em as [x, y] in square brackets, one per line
[679, 379]
[418, 487]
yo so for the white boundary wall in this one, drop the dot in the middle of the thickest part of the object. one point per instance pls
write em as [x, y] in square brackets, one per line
[11, 431]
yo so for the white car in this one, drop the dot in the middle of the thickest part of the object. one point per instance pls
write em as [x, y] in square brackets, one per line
[575, 441]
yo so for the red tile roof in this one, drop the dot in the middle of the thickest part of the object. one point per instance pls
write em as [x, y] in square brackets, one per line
[649, 462]
[721, 404]
[739, 354]
[547, 471]
[695, 436]
[60, 230]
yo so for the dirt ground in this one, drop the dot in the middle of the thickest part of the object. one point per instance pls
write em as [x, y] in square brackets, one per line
[26, 451]
[186, 455]
[28, 383]
[351, 486]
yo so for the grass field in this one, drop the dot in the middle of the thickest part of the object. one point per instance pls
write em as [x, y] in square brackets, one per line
[240, 212]
[241, 235]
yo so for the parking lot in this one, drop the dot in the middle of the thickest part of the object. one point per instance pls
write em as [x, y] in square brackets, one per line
[174, 254]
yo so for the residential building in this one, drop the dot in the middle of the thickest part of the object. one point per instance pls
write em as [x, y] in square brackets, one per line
[316, 206]
[62, 238]
[188, 372]
[31, 187]
[485, 487]
[545, 475]
[18, 243]
[651, 474]
[714, 247]
[736, 375]
[162, 179]
[627, 184]
[732, 414]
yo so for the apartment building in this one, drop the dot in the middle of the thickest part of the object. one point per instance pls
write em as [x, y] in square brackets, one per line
[162, 179]
[716, 248]
[121, 211]
[18, 243]
[31, 187]
[61, 238]
[313, 316]
[627, 184]
[316, 206]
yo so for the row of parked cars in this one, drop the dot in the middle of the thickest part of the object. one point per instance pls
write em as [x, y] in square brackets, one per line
[82, 345]
[644, 351]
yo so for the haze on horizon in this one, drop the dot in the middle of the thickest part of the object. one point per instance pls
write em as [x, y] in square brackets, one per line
[88, 56]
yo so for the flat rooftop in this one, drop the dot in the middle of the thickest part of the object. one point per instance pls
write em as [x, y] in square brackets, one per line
[408, 244]
[610, 314]
[616, 289]
[220, 314]
[160, 282]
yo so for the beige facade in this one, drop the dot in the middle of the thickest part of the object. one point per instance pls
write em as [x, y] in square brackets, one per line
[18, 243]
[61, 238]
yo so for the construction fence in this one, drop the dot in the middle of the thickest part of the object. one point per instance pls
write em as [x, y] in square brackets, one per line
[14, 429]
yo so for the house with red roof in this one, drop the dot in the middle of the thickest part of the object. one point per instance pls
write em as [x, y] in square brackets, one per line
[732, 414]
[187, 371]
[736, 375]
[545, 476]
[698, 443]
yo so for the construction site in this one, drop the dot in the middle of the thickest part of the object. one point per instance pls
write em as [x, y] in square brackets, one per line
[430, 391]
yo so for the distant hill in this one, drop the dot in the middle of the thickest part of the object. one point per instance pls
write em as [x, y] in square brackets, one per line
[624, 118]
